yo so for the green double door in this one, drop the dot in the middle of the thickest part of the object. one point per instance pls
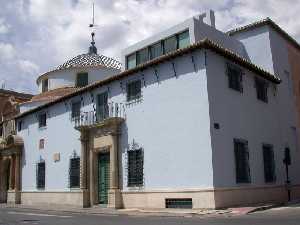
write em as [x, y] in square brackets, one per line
[103, 177]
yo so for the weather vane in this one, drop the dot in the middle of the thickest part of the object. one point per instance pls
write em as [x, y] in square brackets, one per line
[93, 49]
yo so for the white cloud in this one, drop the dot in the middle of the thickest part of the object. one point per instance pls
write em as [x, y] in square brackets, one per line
[4, 28]
[27, 66]
[7, 51]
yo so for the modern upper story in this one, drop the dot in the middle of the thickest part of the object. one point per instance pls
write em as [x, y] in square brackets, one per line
[177, 37]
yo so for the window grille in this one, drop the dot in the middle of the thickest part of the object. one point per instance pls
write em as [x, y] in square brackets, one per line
[74, 173]
[40, 175]
[20, 127]
[135, 168]
[183, 203]
[43, 120]
[235, 77]
[269, 163]
[76, 109]
[261, 89]
[242, 161]
[102, 106]
[134, 90]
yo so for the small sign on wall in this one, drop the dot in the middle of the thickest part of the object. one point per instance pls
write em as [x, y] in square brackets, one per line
[56, 157]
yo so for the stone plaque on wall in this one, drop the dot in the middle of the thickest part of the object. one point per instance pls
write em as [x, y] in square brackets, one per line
[56, 157]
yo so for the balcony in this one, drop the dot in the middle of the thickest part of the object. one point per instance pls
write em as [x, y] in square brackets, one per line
[104, 115]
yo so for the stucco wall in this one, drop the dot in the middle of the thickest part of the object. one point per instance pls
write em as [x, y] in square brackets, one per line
[67, 77]
[242, 115]
[257, 46]
[171, 123]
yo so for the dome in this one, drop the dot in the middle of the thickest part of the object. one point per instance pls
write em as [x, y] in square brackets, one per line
[90, 60]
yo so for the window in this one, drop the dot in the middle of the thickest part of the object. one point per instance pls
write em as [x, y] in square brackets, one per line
[183, 39]
[45, 83]
[40, 175]
[20, 125]
[42, 144]
[134, 91]
[170, 44]
[102, 106]
[242, 161]
[82, 79]
[269, 163]
[131, 61]
[261, 89]
[135, 168]
[75, 172]
[234, 78]
[142, 56]
[43, 120]
[155, 50]
[76, 109]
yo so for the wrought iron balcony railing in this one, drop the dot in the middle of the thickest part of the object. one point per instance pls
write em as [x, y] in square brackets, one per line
[102, 113]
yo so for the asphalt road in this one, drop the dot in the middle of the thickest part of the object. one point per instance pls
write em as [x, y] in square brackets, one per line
[281, 216]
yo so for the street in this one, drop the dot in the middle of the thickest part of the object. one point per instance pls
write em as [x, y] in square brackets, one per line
[16, 216]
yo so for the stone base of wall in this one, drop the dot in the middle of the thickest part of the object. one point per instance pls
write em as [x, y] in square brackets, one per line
[13, 197]
[72, 198]
[203, 198]
[242, 196]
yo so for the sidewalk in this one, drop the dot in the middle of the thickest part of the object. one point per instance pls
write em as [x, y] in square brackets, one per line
[97, 210]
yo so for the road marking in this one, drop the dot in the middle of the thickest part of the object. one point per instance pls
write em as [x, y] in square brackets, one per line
[38, 214]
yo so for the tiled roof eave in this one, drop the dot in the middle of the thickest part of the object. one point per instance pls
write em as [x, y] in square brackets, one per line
[204, 44]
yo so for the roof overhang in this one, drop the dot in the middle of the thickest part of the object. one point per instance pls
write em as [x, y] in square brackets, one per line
[204, 44]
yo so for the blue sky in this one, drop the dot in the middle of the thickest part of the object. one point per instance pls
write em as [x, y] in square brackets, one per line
[38, 35]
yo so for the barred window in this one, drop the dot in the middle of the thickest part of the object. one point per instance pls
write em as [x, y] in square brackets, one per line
[242, 161]
[235, 77]
[261, 89]
[20, 125]
[76, 109]
[134, 90]
[269, 163]
[42, 120]
[40, 175]
[135, 168]
[74, 172]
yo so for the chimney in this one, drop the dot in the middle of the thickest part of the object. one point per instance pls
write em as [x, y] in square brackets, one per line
[209, 18]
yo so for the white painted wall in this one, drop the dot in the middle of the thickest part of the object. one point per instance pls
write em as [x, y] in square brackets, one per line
[171, 123]
[257, 46]
[242, 115]
[67, 77]
[30, 105]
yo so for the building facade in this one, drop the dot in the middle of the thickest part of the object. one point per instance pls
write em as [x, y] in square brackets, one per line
[198, 118]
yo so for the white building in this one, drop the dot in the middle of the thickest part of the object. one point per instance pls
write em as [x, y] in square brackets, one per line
[198, 118]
